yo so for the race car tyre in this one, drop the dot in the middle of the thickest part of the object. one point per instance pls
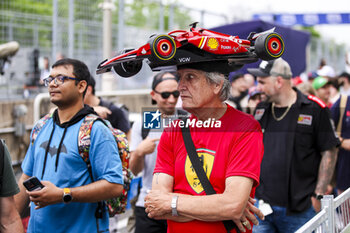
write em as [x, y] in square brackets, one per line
[269, 46]
[163, 48]
[128, 68]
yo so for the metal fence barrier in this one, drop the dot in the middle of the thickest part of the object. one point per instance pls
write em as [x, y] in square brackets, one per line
[333, 218]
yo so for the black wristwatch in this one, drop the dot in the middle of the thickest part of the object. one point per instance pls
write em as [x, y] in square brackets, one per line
[67, 195]
[317, 196]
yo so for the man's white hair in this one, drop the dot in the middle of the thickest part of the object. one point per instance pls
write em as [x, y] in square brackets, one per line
[216, 78]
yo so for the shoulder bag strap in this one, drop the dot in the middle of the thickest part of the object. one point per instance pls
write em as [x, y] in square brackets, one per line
[208, 188]
[191, 150]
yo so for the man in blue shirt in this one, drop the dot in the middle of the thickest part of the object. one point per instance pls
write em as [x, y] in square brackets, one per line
[68, 201]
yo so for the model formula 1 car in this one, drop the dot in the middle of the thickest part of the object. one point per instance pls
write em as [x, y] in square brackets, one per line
[196, 45]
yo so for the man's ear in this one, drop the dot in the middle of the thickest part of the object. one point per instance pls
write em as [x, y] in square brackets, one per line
[279, 81]
[218, 86]
[152, 93]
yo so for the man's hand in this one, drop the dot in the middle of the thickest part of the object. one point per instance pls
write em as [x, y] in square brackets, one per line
[345, 144]
[48, 195]
[248, 216]
[103, 112]
[316, 204]
[147, 146]
[157, 204]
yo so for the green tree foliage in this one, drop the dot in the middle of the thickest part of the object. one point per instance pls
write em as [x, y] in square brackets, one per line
[314, 33]
[30, 21]
[145, 14]
[40, 7]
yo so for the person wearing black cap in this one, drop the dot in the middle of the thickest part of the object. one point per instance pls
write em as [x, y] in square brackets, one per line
[143, 147]
[300, 150]
[229, 145]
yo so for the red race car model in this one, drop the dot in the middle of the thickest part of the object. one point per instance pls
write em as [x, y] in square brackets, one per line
[196, 45]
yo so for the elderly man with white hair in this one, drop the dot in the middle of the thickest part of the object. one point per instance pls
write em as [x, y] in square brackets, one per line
[229, 147]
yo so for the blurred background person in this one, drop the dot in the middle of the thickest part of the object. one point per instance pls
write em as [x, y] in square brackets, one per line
[306, 88]
[254, 98]
[325, 70]
[45, 71]
[341, 116]
[239, 91]
[334, 93]
[249, 80]
[344, 82]
[106, 109]
[322, 88]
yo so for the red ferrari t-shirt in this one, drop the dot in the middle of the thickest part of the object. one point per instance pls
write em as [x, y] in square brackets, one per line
[233, 149]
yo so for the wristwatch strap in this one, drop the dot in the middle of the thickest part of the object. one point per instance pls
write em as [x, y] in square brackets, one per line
[317, 196]
[174, 206]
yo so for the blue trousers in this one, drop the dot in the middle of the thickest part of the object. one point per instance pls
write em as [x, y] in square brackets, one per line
[279, 222]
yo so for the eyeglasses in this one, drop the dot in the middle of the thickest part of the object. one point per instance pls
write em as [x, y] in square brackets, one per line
[58, 79]
[166, 94]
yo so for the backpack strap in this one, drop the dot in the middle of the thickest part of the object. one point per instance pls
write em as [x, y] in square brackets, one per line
[38, 126]
[84, 142]
[144, 132]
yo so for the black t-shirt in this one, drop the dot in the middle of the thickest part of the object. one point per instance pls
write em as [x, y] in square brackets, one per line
[118, 118]
[276, 161]
[301, 136]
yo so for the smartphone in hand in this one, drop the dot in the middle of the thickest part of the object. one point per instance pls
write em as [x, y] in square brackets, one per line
[32, 184]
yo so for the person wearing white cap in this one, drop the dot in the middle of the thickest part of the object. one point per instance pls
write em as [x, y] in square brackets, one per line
[326, 71]
[300, 150]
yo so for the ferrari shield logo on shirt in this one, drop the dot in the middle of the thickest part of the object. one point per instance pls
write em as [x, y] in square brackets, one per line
[207, 159]
[305, 119]
[259, 113]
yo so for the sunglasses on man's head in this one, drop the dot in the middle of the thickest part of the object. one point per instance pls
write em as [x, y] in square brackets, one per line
[166, 94]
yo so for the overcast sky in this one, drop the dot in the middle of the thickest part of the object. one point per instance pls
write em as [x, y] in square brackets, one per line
[237, 10]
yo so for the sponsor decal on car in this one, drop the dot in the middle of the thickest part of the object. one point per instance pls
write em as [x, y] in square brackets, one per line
[213, 43]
